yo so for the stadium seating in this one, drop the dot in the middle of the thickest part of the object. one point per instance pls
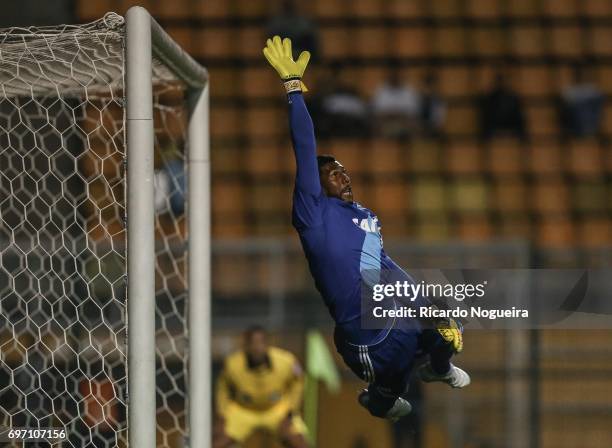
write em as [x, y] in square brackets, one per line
[559, 9]
[463, 159]
[456, 81]
[448, 41]
[486, 42]
[411, 42]
[525, 179]
[596, 8]
[509, 198]
[444, 8]
[405, 10]
[429, 198]
[526, 41]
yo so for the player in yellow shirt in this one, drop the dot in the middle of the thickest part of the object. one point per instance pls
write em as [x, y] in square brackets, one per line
[260, 388]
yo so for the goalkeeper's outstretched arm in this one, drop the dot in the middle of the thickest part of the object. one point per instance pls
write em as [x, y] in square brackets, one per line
[279, 54]
[304, 146]
[308, 193]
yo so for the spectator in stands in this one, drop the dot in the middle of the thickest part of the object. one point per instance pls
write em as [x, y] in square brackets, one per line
[581, 106]
[169, 183]
[432, 109]
[301, 30]
[396, 107]
[501, 111]
[338, 110]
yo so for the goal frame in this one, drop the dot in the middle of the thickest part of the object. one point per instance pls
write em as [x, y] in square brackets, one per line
[146, 39]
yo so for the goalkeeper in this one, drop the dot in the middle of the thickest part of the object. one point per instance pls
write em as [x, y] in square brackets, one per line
[343, 245]
[260, 388]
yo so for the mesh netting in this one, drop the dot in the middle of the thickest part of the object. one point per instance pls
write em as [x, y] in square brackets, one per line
[63, 235]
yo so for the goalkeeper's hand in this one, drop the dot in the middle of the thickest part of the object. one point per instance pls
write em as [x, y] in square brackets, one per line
[279, 55]
[451, 332]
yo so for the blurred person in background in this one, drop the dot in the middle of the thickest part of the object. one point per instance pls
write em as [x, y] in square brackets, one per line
[432, 108]
[342, 242]
[169, 188]
[395, 106]
[581, 106]
[260, 388]
[338, 109]
[301, 30]
[501, 111]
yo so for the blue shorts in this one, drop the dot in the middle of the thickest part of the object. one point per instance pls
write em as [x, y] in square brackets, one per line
[387, 364]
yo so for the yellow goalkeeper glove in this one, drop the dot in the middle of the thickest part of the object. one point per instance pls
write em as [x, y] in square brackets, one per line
[452, 333]
[279, 55]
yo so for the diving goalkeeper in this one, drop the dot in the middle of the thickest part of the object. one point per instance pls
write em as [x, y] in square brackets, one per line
[343, 245]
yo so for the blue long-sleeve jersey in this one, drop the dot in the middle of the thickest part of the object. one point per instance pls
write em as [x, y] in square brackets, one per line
[342, 241]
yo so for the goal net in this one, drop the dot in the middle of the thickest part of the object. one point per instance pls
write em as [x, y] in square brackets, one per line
[63, 235]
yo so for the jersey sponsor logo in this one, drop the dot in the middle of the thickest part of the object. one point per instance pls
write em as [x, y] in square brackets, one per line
[368, 224]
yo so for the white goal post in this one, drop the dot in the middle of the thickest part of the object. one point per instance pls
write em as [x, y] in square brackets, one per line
[104, 234]
[146, 38]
